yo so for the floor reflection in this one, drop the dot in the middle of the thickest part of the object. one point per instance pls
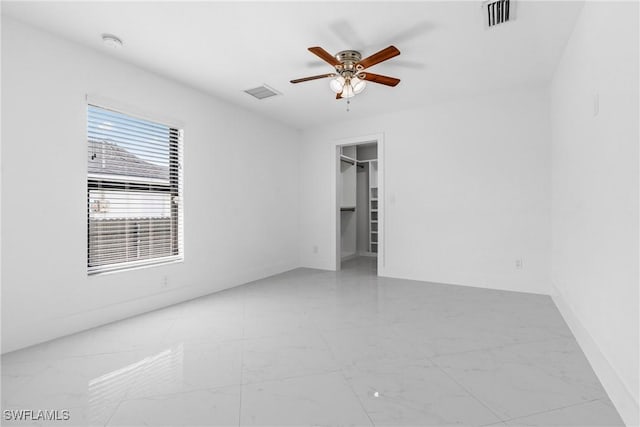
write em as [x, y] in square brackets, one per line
[156, 372]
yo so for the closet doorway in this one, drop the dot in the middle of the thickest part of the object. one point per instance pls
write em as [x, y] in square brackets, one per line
[359, 210]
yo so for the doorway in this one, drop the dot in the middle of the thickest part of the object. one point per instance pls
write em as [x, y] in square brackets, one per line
[358, 203]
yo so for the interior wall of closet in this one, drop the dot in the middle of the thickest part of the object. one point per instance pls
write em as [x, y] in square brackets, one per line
[359, 200]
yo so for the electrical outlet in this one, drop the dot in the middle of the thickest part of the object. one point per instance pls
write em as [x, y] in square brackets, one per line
[519, 264]
[315, 249]
[165, 281]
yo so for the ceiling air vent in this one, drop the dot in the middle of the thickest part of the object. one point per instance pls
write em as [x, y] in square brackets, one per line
[262, 92]
[497, 12]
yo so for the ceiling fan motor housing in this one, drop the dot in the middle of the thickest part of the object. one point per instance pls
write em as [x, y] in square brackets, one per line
[348, 60]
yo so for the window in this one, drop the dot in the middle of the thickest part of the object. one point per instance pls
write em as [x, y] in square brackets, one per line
[134, 191]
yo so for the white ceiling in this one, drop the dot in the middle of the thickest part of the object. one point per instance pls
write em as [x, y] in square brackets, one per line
[224, 48]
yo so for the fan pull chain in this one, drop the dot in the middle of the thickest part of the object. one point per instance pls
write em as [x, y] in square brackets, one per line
[348, 102]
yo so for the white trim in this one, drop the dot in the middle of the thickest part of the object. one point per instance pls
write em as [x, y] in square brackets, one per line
[335, 195]
[622, 398]
[135, 265]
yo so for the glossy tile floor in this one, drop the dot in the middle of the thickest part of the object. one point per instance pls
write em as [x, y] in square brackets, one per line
[320, 348]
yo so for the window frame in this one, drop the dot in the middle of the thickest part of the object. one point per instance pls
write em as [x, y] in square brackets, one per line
[128, 184]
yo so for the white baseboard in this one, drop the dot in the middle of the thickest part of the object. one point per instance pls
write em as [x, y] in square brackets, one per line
[622, 398]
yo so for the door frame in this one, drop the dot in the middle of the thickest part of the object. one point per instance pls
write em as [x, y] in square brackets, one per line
[336, 196]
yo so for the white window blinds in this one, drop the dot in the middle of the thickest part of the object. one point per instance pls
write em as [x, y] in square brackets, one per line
[134, 191]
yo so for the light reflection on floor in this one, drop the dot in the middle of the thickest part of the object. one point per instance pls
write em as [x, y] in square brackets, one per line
[165, 367]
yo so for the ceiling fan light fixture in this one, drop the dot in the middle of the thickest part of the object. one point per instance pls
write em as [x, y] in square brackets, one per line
[358, 85]
[348, 88]
[337, 84]
[347, 92]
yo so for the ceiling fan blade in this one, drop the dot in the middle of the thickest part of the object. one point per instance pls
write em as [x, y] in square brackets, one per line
[378, 57]
[306, 79]
[377, 78]
[324, 55]
[339, 95]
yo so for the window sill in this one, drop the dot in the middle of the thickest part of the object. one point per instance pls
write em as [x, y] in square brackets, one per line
[136, 266]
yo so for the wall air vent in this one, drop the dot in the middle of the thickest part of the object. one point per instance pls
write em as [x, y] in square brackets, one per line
[497, 12]
[262, 92]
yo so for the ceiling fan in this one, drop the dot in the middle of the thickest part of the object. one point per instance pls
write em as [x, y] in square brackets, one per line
[350, 70]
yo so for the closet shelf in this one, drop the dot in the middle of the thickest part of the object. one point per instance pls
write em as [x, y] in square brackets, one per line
[347, 159]
[351, 161]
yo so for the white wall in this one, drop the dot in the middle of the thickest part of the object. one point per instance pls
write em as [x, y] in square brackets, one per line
[595, 194]
[467, 191]
[240, 191]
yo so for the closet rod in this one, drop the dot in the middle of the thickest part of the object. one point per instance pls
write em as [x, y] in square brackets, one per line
[351, 162]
